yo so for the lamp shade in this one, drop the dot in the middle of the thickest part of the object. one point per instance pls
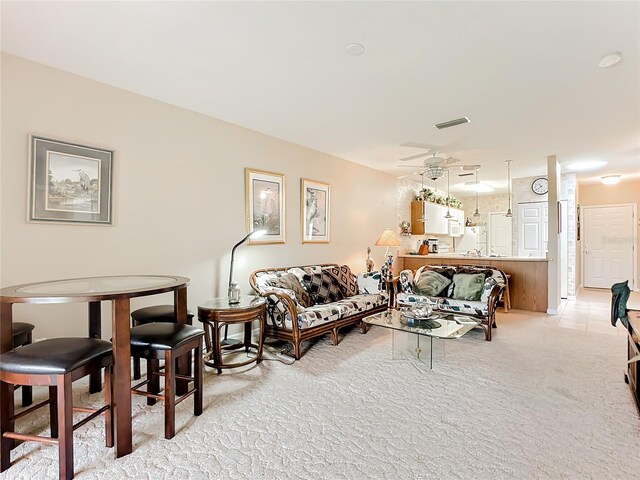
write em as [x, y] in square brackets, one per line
[388, 238]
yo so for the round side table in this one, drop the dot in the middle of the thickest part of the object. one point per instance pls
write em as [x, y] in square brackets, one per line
[217, 313]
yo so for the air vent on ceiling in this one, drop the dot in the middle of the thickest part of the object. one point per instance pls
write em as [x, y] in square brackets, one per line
[452, 123]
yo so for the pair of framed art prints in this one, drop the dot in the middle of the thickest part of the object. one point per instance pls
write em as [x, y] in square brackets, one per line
[265, 207]
[70, 183]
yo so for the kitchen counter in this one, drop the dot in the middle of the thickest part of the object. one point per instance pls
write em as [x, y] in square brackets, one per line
[528, 284]
[460, 256]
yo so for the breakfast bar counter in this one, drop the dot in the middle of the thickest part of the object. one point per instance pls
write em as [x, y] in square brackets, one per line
[528, 282]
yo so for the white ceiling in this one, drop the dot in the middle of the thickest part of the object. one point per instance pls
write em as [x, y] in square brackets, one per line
[525, 73]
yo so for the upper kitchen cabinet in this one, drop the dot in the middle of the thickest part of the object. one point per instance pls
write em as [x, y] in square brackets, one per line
[429, 218]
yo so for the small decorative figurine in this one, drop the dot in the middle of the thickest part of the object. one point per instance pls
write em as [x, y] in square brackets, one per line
[405, 226]
[369, 260]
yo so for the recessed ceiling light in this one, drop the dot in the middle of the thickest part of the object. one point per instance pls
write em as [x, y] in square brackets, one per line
[478, 187]
[355, 49]
[610, 179]
[610, 60]
[586, 165]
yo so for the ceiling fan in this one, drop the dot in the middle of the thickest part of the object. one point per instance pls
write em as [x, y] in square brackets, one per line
[436, 167]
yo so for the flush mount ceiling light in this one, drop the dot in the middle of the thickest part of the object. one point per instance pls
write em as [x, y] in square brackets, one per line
[355, 49]
[610, 60]
[478, 187]
[586, 165]
[610, 179]
[452, 123]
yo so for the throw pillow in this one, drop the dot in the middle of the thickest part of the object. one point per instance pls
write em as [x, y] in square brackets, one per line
[369, 282]
[347, 281]
[290, 282]
[468, 286]
[322, 287]
[431, 284]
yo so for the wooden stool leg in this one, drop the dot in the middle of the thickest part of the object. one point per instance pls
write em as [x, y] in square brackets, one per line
[6, 425]
[27, 391]
[136, 368]
[53, 411]
[65, 426]
[197, 379]
[169, 395]
[108, 400]
[153, 375]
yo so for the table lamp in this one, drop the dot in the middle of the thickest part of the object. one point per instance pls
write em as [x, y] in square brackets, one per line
[234, 290]
[388, 238]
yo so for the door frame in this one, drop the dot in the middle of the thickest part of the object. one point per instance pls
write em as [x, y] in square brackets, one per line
[634, 231]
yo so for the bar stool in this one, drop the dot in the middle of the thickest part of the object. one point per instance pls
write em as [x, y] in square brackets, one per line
[157, 313]
[22, 335]
[56, 363]
[168, 341]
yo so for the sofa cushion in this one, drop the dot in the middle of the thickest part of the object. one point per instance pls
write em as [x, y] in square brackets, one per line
[322, 286]
[289, 281]
[330, 312]
[463, 306]
[431, 283]
[468, 286]
[411, 298]
[405, 281]
[369, 282]
[347, 281]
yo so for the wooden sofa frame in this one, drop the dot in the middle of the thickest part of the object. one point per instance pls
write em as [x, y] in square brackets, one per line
[296, 335]
[487, 322]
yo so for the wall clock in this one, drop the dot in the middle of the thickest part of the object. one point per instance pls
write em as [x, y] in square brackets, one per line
[540, 186]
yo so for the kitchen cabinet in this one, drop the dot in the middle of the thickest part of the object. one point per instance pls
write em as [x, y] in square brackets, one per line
[429, 218]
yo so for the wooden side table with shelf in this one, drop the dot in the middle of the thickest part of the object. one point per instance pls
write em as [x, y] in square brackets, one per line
[217, 313]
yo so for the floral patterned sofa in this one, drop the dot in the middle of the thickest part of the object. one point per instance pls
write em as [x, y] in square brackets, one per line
[484, 308]
[321, 298]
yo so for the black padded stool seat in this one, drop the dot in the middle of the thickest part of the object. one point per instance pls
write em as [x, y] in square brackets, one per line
[55, 363]
[161, 336]
[21, 333]
[55, 356]
[168, 341]
[157, 313]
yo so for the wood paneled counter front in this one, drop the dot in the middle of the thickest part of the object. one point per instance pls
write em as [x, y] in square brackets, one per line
[528, 282]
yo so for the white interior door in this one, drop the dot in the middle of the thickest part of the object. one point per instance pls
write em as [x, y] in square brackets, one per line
[499, 237]
[531, 231]
[608, 244]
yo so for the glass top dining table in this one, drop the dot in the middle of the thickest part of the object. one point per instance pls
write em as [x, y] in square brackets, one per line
[93, 290]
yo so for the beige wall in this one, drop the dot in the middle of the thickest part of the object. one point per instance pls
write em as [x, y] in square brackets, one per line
[624, 192]
[179, 194]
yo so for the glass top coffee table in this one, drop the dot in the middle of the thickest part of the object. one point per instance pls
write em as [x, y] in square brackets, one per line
[407, 330]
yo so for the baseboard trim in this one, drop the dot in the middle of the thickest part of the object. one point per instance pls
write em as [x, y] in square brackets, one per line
[552, 311]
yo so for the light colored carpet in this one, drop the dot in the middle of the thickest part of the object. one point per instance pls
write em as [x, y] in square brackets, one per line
[536, 402]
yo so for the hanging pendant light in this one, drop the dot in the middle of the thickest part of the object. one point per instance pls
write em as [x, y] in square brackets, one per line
[509, 214]
[477, 212]
[448, 215]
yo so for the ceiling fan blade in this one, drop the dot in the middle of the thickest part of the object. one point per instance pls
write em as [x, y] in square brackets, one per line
[465, 174]
[412, 157]
[470, 167]
[408, 174]
[419, 145]
[449, 161]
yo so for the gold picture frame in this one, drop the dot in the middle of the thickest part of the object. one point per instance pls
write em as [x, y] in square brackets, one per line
[265, 205]
[315, 211]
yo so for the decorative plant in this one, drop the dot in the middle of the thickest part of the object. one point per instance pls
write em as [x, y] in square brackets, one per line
[428, 195]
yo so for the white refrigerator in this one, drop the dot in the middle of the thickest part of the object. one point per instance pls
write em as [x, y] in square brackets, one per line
[473, 238]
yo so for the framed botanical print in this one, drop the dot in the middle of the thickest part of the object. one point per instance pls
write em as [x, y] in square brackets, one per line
[315, 211]
[69, 183]
[265, 205]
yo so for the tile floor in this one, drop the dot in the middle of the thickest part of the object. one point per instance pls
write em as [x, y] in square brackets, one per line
[590, 311]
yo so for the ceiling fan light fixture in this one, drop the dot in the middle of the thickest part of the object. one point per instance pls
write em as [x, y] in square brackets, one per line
[610, 60]
[452, 123]
[355, 49]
